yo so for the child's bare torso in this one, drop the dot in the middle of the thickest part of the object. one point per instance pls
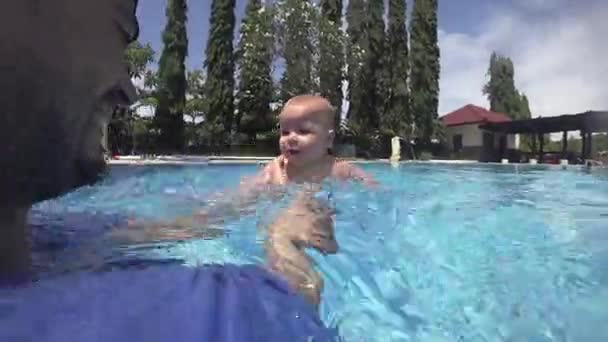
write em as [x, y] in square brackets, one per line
[278, 173]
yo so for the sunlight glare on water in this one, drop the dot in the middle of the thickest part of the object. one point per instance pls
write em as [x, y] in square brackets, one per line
[438, 253]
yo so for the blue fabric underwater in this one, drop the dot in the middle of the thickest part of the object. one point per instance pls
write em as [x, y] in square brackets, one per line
[142, 302]
[62, 229]
[224, 303]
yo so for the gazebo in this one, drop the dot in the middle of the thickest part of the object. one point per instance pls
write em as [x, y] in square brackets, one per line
[586, 123]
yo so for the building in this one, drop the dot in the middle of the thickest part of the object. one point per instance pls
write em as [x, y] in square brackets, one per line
[466, 140]
[586, 123]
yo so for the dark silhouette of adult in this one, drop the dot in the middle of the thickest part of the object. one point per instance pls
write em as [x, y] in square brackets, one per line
[61, 73]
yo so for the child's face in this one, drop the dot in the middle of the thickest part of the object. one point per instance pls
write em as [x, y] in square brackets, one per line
[305, 134]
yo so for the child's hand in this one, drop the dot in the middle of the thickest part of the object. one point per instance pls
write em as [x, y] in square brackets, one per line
[319, 233]
[310, 224]
[306, 223]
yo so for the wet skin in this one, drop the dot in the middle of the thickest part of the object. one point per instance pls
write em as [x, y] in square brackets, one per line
[62, 72]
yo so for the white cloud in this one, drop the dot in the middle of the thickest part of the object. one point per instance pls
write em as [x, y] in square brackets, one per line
[560, 59]
[540, 5]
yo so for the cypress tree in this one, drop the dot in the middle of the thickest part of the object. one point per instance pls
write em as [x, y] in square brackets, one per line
[375, 65]
[504, 96]
[356, 50]
[526, 141]
[219, 62]
[501, 91]
[331, 51]
[397, 118]
[254, 56]
[525, 107]
[424, 68]
[296, 38]
[171, 87]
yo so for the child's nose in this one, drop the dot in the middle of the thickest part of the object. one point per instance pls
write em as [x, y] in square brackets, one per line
[292, 137]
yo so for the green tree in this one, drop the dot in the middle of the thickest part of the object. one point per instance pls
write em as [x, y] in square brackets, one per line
[196, 106]
[219, 87]
[501, 91]
[356, 52]
[525, 107]
[526, 141]
[143, 135]
[150, 84]
[397, 117]
[505, 98]
[120, 128]
[255, 56]
[147, 92]
[376, 65]
[331, 54]
[171, 86]
[138, 56]
[145, 129]
[296, 34]
[424, 68]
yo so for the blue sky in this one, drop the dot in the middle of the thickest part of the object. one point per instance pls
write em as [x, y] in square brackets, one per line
[453, 17]
[557, 47]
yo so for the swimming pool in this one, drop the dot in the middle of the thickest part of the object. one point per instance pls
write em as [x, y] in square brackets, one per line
[440, 253]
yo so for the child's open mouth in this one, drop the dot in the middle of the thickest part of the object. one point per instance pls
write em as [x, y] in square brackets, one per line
[292, 152]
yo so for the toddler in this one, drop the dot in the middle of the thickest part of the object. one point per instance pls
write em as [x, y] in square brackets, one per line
[306, 139]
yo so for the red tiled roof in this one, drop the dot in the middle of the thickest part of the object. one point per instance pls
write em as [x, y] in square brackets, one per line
[471, 114]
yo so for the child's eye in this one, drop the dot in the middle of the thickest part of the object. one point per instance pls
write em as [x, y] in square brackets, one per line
[284, 133]
[304, 131]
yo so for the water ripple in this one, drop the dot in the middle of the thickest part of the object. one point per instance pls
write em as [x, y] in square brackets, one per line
[441, 253]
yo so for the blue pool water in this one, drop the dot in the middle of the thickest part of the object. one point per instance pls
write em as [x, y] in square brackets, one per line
[439, 253]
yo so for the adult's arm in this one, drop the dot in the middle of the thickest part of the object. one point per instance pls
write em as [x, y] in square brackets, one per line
[205, 222]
